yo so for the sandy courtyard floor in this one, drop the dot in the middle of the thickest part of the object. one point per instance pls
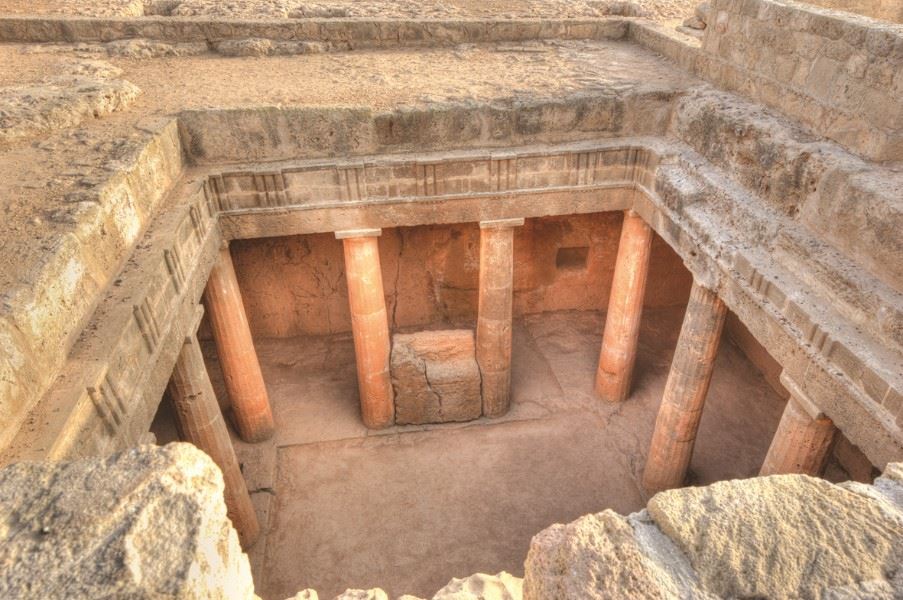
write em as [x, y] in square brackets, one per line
[409, 508]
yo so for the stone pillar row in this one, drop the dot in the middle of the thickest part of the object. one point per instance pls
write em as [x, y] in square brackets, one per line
[801, 443]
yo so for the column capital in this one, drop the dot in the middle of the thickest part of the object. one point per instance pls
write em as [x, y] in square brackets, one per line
[357, 233]
[704, 279]
[801, 398]
[191, 333]
[501, 223]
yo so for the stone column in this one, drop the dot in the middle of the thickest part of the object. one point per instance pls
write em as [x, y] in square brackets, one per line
[370, 326]
[241, 370]
[803, 439]
[685, 392]
[625, 308]
[200, 422]
[496, 295]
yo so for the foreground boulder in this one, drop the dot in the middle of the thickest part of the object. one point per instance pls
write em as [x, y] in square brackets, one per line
[147, 523]
[596, 556]
[785, 536]
[480, 586]
[151, 523]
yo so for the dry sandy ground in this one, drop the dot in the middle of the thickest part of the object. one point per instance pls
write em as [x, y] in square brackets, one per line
[396, 9]
[410, 507]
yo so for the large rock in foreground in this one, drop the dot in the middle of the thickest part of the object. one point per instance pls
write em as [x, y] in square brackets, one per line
[436, 377]
[480, 586]
[596, 556]
[785, 536]
[147, 523]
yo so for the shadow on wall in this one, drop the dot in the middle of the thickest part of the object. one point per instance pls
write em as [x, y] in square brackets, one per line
[296, 285]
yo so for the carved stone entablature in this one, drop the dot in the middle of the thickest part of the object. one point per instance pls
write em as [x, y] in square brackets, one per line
[433, 176]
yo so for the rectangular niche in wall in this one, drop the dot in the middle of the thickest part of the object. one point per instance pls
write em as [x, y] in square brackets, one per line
[572, 259]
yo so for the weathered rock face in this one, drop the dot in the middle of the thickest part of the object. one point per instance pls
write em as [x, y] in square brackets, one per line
[371, 594]
[436, 377]
[503, 586]
[480, 586]
[147, 523]
[86, 89]
[785, 536]
[596, 556]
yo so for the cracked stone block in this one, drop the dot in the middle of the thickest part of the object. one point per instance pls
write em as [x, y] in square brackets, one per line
[436, 377]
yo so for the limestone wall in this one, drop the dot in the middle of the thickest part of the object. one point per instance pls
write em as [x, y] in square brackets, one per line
[296, 285]
[838, 73]
[342, 34]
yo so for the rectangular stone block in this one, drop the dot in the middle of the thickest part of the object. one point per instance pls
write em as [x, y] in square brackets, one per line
[436, 377]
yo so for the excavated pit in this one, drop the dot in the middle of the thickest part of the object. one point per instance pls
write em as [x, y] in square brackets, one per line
[408, 507]
[137, 149]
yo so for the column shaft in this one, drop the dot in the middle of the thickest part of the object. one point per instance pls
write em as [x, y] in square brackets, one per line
[200, 422]
[370, 327]
[685, 392]
[625, 308]
[241, 370]
[493, 337]
[803, 439]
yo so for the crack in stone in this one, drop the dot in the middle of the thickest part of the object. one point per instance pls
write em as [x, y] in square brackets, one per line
[429, 385]
[397, 278]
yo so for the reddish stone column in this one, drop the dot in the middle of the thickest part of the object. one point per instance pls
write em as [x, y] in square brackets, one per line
[685, 392]
[241, 370]
[625, 308]
[370, 326]
[200, 422]
[494, 313]
[803, 439]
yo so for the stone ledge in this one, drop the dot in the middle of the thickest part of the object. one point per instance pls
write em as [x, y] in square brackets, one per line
[106, 393]
[344, 34]
[796, 58]
[48, 304]
[218, 136]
